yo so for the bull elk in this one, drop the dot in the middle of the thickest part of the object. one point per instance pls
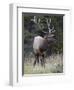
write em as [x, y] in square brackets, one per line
[40, 44]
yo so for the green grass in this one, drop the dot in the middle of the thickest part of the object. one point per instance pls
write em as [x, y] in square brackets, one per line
[54, 64]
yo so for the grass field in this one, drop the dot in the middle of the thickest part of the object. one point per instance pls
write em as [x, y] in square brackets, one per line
[54, 64]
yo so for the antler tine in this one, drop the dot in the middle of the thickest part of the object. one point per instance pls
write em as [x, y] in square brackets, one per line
[44, 32]
[35, 19]
[53, 28]
[50, 20]
[46, 20]
[39, 20]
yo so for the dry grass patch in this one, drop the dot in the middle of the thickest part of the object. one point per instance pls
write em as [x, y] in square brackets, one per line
[54, 64]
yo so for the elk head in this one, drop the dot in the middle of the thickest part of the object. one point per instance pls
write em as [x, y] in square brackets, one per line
[50, 34]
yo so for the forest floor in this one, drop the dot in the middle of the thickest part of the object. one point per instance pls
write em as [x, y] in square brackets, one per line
[54, 64]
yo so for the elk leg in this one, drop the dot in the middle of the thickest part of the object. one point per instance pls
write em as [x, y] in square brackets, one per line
[42, 61]
[34, 63]
[36, 60]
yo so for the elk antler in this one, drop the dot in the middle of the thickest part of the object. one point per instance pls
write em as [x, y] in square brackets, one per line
[44, 32]
[48, 23]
